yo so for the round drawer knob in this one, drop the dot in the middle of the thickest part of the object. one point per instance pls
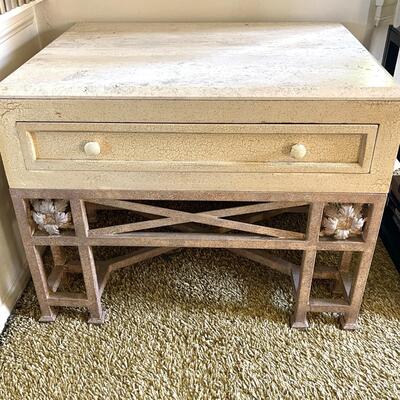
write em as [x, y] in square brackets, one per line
[92, 149]
[298, 151]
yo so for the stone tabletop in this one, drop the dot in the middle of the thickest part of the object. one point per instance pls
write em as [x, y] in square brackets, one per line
[203, 61]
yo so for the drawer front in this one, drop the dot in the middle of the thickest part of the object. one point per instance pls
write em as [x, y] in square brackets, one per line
[198, 147]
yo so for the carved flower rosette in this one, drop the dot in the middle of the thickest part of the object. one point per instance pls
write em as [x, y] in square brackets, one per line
[342, 221]
[51, 216]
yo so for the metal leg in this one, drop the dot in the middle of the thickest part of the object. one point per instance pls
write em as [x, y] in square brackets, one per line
[34, 260]
[39, 280]
[91, 284]
[302, 295]
[87, 262]
[349, 319]
[344, 268]
[299, 317]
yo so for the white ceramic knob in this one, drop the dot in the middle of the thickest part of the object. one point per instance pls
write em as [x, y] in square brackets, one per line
[92, 149]
[298, 151]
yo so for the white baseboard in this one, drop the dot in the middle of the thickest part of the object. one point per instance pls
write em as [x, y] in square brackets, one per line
[12, 296]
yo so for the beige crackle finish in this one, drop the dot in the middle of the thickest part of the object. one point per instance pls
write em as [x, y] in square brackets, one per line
[261, 113]
[371, 128]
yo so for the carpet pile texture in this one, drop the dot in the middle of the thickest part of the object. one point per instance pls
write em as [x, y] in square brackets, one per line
[204, 324]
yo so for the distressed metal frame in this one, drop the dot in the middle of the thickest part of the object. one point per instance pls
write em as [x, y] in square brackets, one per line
[251, 245]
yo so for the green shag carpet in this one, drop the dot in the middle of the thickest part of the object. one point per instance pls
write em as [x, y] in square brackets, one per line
[204, 324]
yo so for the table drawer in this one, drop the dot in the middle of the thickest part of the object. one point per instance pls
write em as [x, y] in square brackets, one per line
[346, 148]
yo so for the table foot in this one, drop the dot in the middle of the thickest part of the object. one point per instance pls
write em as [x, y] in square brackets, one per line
[299, 324]
[96, 320]
[48, 318]
[348, 325]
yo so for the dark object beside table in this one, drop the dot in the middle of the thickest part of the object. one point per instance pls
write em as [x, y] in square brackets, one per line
[390, 229]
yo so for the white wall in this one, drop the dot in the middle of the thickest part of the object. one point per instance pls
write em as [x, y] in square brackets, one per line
[19, 41]
[13, 270]
[19, 38]
[57, 15]
[378, 39]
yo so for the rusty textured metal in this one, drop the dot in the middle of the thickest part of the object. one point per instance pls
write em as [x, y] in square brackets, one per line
[253, 243]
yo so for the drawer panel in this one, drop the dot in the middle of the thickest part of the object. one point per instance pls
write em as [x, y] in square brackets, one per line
[198, 147]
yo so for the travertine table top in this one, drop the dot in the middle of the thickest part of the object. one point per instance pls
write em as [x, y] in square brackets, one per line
[203, 61]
